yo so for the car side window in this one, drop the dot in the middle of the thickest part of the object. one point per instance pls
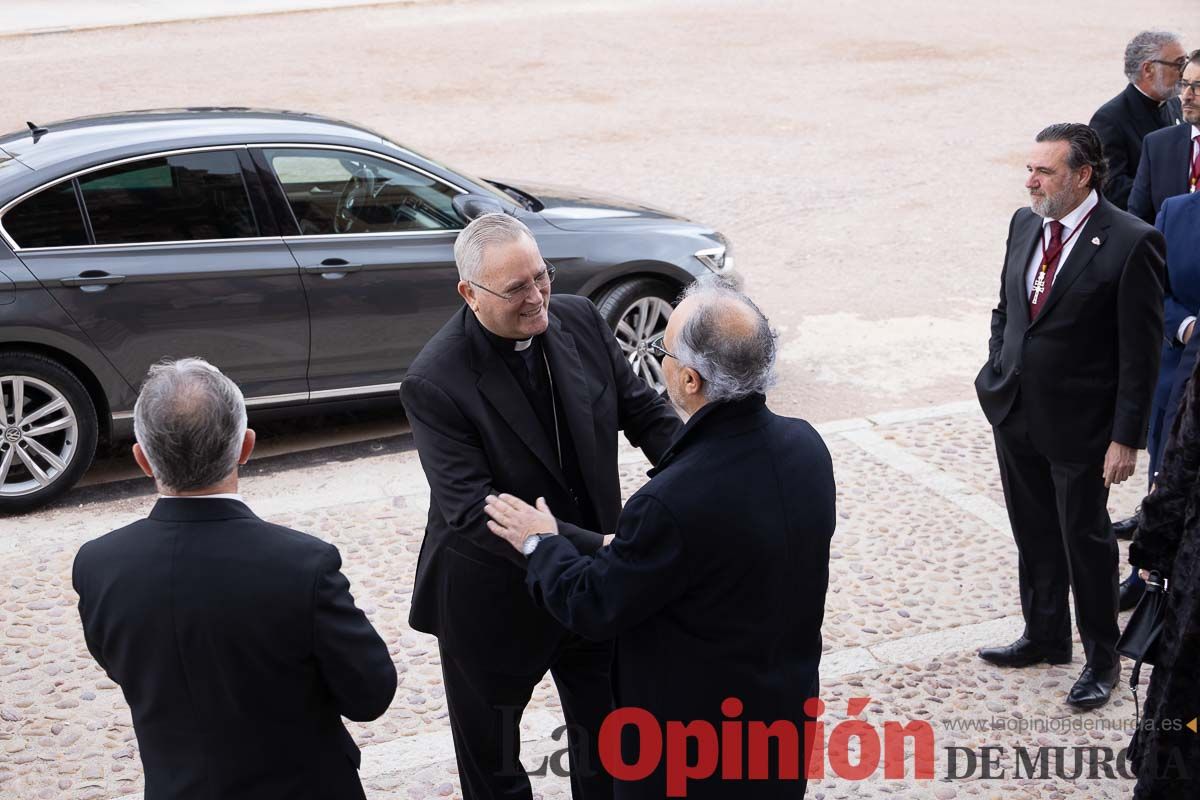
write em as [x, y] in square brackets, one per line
[182, 197]
[50, 218]
[339, 191]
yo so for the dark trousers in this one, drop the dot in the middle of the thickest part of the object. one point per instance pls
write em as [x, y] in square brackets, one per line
[485, 717]
[1059, 517]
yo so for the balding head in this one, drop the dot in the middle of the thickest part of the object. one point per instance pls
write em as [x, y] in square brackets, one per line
[190, 424]
[720, 335]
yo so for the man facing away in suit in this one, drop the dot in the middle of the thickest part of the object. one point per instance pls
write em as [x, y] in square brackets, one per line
[1170, 163]
[1067, 387]
[1154, 62]
[714, 586]
[236, 642]
[520, 395]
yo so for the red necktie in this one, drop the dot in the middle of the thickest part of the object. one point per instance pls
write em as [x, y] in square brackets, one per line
[1044, 278]
[1195, 166]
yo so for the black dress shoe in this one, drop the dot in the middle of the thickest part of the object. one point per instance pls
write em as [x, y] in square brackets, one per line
[1132, 589]
[1093, 688]
[1023, 653]
[1124, 529]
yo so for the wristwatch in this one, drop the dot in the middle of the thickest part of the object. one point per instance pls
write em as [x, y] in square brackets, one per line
[532, 542]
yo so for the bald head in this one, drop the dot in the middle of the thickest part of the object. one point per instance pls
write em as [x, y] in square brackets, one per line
[723, 336]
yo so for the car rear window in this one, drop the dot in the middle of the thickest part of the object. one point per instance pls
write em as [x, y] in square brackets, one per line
[50, 218]
[182, 197]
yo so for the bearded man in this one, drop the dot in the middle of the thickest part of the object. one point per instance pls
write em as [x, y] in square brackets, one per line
[1067, 387]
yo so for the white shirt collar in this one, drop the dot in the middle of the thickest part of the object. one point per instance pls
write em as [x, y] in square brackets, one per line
[1072, 220]
[523, 344]
[1195, 131]
[226, 496]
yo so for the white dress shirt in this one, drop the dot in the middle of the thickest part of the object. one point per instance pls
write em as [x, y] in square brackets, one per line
[237, 497]
[1070, 222]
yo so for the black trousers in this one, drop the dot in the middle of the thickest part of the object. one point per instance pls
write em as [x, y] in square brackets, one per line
[1059, 517]
[485, 716]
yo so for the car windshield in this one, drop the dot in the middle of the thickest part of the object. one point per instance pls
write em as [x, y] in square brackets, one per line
[487, 185]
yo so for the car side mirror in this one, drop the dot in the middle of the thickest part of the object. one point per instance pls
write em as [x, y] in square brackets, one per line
[470, 206]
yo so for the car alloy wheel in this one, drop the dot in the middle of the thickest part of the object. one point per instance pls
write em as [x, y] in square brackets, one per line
[48, 430]
[40, 435]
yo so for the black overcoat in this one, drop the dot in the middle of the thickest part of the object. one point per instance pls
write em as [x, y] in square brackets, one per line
[1168, 540]
[714, 587]
[239, 650]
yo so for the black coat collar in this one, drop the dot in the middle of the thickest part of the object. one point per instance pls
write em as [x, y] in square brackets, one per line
[199, 509]
[716, 421]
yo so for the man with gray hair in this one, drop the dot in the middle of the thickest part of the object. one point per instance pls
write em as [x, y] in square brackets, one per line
[1153, 64]
[236, 642]
[518, 395]
[714, 586]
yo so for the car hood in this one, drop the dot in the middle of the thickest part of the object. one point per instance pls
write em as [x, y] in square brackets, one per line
[577, 210]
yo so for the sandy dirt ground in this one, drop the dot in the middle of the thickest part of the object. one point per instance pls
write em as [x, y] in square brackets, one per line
[863, 157]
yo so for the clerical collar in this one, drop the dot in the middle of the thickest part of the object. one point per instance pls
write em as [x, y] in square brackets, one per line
[502, 343]
[1149, 99]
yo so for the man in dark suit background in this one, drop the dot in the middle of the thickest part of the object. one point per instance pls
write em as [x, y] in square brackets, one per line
[715, 584]
[517, 394]
[236, 642]
[1072, 362]
[1153, 64]
[1170, 162]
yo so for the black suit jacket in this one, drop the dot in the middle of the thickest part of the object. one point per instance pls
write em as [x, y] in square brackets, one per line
[1122, 123]
[239, 649]
[476, 434]
[1086, 368]
[1164, 170]
[715, 584]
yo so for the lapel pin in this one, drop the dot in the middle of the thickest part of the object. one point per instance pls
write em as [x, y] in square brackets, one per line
[1095, 240]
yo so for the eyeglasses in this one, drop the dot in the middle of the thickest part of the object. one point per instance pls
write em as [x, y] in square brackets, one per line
[1178, 64]
[655, 346]
[542, 281]
[1183, 86]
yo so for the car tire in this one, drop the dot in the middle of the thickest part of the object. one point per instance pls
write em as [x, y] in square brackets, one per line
[47, 451]
[636, 311]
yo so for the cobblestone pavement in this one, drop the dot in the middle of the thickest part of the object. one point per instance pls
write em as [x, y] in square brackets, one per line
[923, 571]
[864, 158]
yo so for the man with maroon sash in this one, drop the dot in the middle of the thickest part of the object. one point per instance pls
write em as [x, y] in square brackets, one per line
[1072, 362]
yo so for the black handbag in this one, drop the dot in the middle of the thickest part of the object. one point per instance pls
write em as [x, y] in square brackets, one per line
[1139, 641]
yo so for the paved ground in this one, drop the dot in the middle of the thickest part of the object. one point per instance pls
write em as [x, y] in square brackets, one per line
[923, 571]
[863, 157]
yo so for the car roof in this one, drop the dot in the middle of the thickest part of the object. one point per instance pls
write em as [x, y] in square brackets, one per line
[76, 143]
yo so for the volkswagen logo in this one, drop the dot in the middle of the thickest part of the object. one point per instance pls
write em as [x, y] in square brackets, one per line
[12, 435]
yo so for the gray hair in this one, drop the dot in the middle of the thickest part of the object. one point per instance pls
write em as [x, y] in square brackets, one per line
[1146, 46]
[733, 364]
[190, 421]
[483, 232]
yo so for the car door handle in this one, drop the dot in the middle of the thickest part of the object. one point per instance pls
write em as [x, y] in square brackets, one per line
[332, 268]
[92, 278]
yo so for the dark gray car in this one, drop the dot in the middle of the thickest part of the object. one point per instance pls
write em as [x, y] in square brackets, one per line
[310, 259]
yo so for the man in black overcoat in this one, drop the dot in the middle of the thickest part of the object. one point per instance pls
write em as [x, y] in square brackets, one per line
[1153, 64]
[1072, 363]
[236, 642]
[523, 395]
[714, 586]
